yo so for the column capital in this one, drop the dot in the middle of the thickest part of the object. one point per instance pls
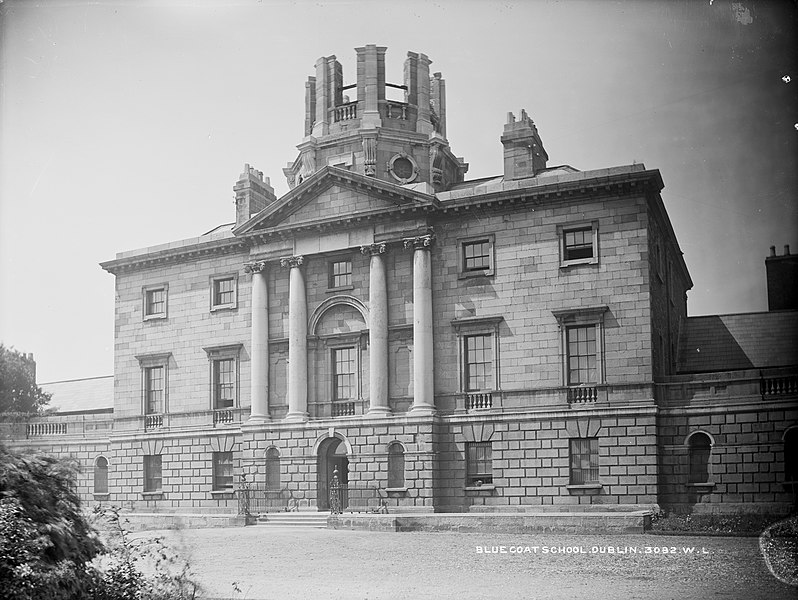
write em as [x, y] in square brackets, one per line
[374, 249]
[255, 267]
[292, 261]
[421, 242]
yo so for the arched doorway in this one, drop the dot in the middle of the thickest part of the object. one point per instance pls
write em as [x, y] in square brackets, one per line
[331, 457]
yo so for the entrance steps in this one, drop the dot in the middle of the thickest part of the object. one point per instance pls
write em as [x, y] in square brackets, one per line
[294, 519]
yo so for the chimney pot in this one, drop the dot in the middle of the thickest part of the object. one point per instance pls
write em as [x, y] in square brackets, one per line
[786, 249]
[773, 250]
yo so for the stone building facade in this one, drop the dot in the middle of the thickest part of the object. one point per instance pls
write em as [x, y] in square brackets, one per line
[514, 342]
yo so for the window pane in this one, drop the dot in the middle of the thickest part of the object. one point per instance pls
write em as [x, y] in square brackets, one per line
[581, 345]
[224, 383]
[700, 448]
[584, 461]
[222, 470]
[341, 274]
[153, 390]
[344, 375]
[479, 463]
[224, 291]
[396, 466]
[155, 302]
[578, 243]
[101, 476]
[476, 255]
[272, 469]
[152, 473]
[479, 362]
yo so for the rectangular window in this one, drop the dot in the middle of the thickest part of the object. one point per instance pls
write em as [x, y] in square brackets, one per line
[341, 274]
[479, 362]
[475, 256]
[223, 292]
[581, 347]
[155, 302]
[578, 243]
[479, 463]
[222, 471]
[344, 374]
[224, 383]
[152, 473]
[154, 388]
[584, 461]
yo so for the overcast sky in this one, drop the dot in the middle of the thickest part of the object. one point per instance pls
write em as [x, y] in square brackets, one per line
[126, 124]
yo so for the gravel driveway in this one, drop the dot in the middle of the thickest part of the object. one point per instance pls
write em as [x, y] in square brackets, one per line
[287, 563]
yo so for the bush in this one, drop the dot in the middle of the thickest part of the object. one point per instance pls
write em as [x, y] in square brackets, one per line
[50, 551]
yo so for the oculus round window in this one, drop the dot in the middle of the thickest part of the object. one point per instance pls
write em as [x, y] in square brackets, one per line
[403, 168]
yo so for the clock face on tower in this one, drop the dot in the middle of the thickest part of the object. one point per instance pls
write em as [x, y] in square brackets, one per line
[402, 168]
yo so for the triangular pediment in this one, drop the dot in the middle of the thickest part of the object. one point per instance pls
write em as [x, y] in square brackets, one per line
[336, 195]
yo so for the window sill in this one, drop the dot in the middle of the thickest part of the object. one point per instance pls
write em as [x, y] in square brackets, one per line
[154, 317]
[702, 486]
[584, 486]
[230, 492]
[577, 262]
[343, 288]
[152, 495]
[485, 273]
[223, 307]
[488, 487]
[102, 497]
[396, 490]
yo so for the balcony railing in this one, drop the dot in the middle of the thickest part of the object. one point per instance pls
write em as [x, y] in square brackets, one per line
[479, 400]
[223, 416]
[778, 386]
[396, 110]
[344, 408]
[345, 112]
[153, 421]
[45, 429]
[582, 394]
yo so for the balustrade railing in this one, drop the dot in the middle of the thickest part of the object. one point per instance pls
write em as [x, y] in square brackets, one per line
[345, 112]
[353, 497]
[396, 110]
[45, 429]
[343, 408]
[779, 386]
[153, 421]
[223, 416]
[479, 400]
[256, 499]
[583, 393]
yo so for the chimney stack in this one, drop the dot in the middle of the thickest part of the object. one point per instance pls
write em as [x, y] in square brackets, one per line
[782, 280]
[524, 155]
[253, 194]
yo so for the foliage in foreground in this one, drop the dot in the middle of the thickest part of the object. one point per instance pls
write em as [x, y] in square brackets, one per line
[50, 551]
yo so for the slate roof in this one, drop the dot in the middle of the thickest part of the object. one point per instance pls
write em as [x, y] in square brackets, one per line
[81, 395]
[742, 341]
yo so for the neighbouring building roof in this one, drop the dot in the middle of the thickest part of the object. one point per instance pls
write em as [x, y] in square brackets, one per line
[93, 394]
[743, 341]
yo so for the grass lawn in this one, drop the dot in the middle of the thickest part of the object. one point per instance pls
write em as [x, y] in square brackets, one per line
[285, 563]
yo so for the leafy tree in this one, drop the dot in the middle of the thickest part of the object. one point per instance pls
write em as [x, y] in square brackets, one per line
[18, 390]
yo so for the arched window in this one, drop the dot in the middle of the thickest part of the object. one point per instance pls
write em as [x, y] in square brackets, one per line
[272, 469]
[791, 455]
[396, 465]
[700, 448]
[101, 475]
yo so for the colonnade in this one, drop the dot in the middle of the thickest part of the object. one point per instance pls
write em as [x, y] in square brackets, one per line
[423, 388]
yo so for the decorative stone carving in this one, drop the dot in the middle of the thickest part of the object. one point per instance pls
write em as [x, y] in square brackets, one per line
[292, 261]
[308, 160]
[370, 155]
[373, 249]
[403, 168]
[421, 242]
[255, 267]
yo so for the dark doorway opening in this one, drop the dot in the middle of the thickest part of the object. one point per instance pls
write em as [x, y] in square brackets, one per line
[332, 457]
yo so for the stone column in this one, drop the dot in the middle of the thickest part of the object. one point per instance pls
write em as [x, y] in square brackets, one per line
[378, 331]
[259, 349]
[423, 384]
[297, 341]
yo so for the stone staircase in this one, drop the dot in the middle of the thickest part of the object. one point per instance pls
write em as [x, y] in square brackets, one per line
[294, 519]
